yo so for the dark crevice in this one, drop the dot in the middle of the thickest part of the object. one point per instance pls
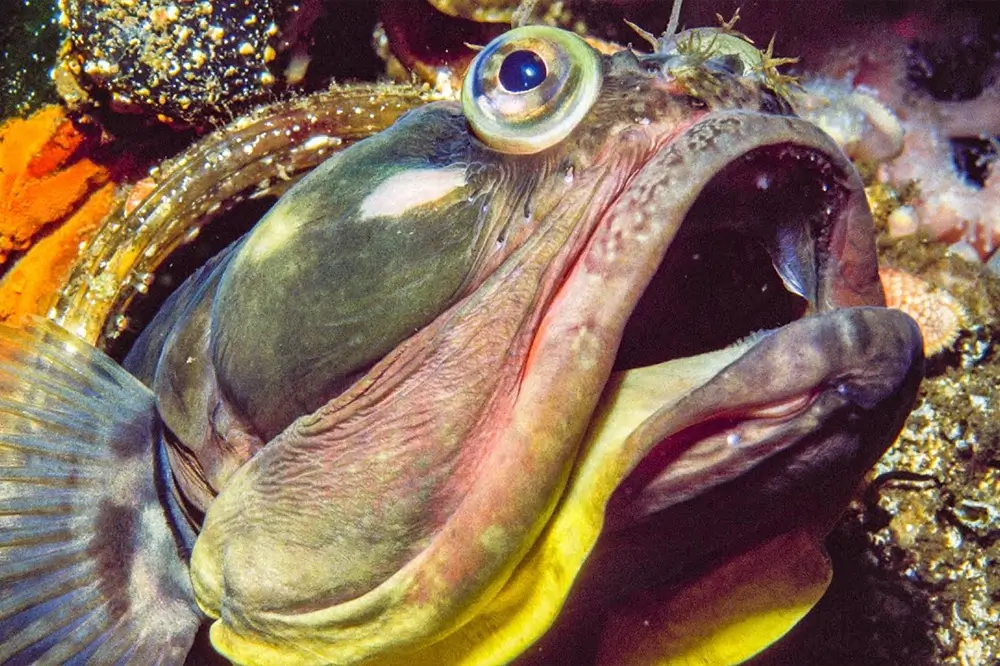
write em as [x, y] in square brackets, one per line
[973, 156]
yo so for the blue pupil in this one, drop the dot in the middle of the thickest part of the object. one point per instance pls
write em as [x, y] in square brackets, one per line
[522, 71]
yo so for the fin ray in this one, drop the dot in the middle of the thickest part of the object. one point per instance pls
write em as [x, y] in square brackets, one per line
[33, 571]
[89, 565]
[38, 633]
[28, 600]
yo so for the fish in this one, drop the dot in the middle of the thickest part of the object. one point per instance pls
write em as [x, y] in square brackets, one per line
[607, 319]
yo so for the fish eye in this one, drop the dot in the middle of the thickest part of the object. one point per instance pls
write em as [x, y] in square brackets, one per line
[527, 89]
[522, 71]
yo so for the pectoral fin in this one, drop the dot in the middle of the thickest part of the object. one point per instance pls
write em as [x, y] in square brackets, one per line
[91, 568]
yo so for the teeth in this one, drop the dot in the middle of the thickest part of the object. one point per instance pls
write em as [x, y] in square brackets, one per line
[793, 255]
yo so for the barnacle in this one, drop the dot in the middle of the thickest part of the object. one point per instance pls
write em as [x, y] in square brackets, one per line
[938, 314]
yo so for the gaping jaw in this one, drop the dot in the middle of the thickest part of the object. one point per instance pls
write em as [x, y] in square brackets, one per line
[744, 239]
[756, 379]
[754, 240]
[745, 259]
[779, 233]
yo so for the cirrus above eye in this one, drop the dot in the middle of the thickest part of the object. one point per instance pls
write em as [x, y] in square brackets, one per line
[528, 88]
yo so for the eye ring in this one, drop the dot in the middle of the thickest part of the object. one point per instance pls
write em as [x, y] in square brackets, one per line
[527, 89]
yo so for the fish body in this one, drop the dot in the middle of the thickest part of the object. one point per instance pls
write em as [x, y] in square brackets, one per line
[392, 423]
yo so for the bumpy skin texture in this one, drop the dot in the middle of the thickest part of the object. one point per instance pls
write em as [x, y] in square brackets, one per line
[387, 383]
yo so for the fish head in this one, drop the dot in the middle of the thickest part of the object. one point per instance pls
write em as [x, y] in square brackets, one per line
[599, 291]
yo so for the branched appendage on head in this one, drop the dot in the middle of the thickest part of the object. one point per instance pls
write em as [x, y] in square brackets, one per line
[696, 49]
[769, 64]
[696, 45]
[672, 25]
[780, 83]
[728, 27]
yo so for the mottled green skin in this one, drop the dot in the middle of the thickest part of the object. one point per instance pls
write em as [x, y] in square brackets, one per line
[374, 289]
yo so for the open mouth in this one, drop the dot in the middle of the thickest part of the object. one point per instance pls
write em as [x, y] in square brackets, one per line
[751, 339]
[745, 259]
[754, 382]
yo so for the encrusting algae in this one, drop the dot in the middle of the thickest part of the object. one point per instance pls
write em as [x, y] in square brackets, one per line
[51, 201]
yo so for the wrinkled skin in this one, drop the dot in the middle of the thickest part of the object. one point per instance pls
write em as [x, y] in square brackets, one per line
[379, 399]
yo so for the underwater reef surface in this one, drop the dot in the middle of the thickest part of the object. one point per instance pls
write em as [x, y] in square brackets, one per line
[917, 579]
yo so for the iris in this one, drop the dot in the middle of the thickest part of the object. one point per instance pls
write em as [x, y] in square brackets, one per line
[522, 71]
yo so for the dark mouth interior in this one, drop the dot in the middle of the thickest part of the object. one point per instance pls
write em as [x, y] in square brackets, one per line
[717, 282]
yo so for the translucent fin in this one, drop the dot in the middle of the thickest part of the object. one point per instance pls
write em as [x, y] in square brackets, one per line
[90, 569]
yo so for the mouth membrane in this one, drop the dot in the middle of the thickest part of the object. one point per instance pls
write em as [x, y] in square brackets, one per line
[747, 257]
